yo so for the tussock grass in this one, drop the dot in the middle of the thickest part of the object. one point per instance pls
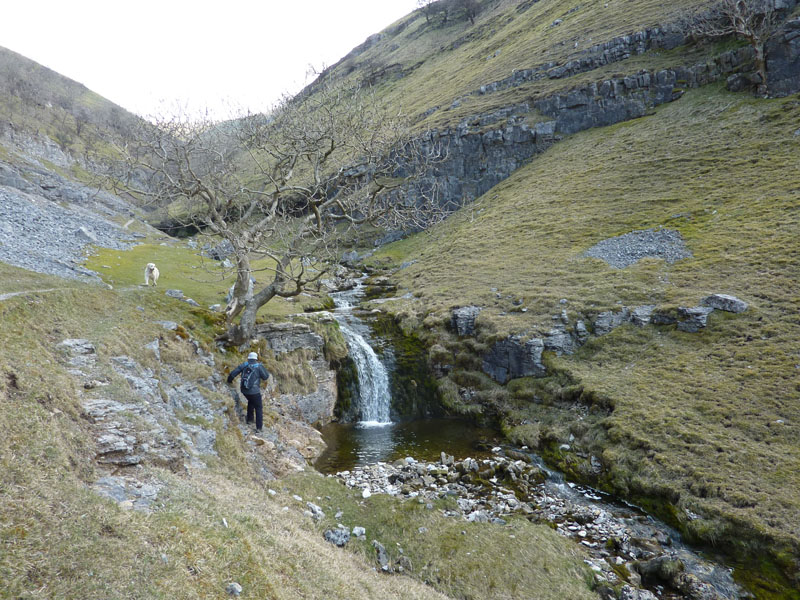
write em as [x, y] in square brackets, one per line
[696, 416]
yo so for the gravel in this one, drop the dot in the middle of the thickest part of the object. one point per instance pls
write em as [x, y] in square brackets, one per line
[49, 237]
[625, 250]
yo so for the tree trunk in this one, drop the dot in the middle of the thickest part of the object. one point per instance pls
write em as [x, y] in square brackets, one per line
[241, 333]
[247, 324]
[241, 289]
[761, 68]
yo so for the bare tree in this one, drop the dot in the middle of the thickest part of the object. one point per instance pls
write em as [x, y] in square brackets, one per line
[285, 188]
[427, 8]
[450, 10]
[471, 9]
[751, 20]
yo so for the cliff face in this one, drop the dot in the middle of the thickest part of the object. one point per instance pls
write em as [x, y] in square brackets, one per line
[783, 59]
[484, 149]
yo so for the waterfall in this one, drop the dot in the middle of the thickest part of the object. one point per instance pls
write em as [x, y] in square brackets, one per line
[373, 380]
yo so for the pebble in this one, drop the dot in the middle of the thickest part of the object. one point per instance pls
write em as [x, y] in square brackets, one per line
[233, 589]
[513, 486]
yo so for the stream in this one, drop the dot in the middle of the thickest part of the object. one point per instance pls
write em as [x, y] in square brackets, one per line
[433, 458]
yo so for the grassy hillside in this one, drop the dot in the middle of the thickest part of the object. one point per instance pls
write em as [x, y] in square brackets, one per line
[706, 423]
[419, 64]
[212, 525]
[39, 107]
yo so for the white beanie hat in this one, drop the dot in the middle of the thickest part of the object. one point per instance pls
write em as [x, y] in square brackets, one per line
[252, 356]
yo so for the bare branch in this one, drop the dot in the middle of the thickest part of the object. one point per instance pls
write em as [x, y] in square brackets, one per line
[750, 20]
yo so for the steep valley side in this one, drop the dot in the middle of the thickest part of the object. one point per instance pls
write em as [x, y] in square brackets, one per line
[698, 426]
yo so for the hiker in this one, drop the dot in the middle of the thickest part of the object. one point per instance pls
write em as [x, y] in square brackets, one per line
[252, 373]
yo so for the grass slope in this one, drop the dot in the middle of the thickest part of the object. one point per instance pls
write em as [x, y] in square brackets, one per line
[39, 107]
[443, 62]
[709, 420]
[215, 525]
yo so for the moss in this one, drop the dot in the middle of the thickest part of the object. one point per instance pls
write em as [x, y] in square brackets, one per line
[335, 346]
[317, 304]
[347, 389]
[414, 391]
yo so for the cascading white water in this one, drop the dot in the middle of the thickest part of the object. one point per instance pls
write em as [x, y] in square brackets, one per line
[373, 380]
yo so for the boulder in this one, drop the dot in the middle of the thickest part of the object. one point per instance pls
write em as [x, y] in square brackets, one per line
[631, 593]
[175, 294]
[662, 570]
[154, 348]
[610, 320]
[381, 555]
[316, 512]
[462, 320]
[693, 319]
[233, 589]
[725, 302]
[641, 315]
[349, 258]
[87, 235]
[511, 358]
[219, 252]
[739, 82]
[559, 341]
[338, 537]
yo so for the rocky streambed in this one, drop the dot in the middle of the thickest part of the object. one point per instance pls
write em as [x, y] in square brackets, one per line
[632, 555]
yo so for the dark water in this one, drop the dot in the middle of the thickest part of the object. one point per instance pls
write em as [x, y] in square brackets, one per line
[350, 445]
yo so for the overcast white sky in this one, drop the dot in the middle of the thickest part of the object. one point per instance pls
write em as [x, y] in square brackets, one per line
[149, 55]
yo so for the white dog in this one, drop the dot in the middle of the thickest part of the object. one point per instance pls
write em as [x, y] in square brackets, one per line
[151, 274]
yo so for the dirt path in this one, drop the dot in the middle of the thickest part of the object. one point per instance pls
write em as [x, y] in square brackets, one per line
[127, 288]
[22, 293]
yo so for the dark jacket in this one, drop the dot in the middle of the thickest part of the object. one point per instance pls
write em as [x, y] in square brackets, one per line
[256, 386]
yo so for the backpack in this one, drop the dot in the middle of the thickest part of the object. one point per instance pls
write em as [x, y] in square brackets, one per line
[251, 376]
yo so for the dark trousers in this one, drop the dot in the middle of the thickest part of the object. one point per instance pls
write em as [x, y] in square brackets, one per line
[254, 405]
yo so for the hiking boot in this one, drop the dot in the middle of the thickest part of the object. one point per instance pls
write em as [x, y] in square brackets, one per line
[258, 430]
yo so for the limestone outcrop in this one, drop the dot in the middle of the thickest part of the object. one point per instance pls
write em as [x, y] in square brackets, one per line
[514, 357]
[315, 407]
[783, 59]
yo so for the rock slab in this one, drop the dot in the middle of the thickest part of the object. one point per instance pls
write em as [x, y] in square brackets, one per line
[725, 302]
